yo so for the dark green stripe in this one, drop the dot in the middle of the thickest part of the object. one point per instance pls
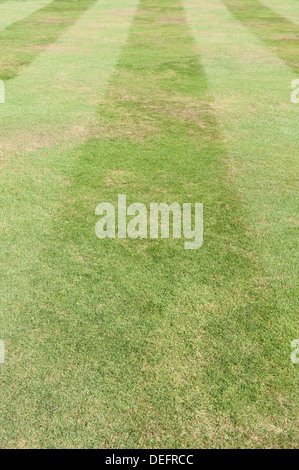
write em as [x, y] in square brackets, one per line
[21, 42]
[279, 34]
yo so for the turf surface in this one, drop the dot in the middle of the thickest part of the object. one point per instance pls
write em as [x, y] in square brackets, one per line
[140, 343]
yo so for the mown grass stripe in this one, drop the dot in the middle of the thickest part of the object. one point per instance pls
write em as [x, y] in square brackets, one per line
[251, 90]
[53, 100]
[24, 40]
[279, 34]
[288, 8]
[47, 109]
[11, 11]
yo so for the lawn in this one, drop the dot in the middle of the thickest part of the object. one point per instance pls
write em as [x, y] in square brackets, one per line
[139, 343]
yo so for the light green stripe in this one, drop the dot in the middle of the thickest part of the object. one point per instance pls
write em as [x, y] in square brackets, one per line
[251, 88]
[58, 92]
[10, 12]
[287, 8]
[276, 32]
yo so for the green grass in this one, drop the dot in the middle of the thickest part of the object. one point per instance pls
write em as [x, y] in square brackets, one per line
[140, 343]
[13, 11]
[279, 34]
[288, 9]
[25, 39]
